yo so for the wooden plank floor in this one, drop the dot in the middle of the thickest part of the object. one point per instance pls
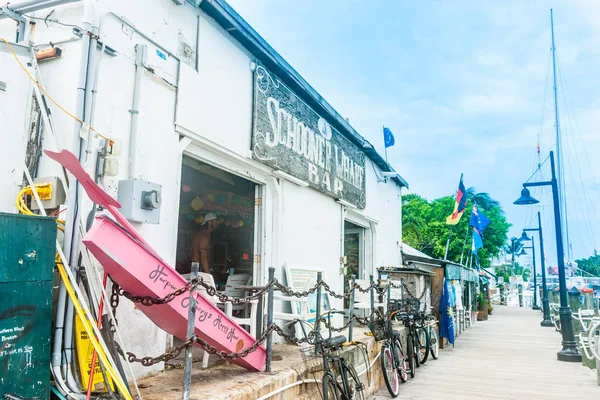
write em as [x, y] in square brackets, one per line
[509, 356]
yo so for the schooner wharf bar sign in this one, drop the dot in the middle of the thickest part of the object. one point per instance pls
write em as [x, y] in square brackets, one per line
[290, 136]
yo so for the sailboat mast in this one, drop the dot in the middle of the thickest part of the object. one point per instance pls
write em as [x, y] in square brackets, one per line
[559, 157]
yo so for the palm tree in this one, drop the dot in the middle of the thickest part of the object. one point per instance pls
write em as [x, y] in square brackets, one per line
[483, 199]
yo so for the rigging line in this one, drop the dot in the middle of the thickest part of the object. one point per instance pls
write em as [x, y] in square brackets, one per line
[538, 168]
[577, 194]
[588, 222]
[539, 135]
[567, 94]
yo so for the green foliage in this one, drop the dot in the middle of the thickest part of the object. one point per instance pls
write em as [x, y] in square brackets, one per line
[590, 265]
[424, 226]
[481, 302]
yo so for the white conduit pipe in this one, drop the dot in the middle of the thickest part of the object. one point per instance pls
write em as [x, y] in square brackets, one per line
[303, 381]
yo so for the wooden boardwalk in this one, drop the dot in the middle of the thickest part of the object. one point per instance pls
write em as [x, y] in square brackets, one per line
[509, 356]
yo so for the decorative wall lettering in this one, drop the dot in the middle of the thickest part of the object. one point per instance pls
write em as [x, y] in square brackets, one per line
[290, 136]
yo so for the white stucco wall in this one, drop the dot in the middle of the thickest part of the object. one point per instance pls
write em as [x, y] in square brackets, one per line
[212, 107]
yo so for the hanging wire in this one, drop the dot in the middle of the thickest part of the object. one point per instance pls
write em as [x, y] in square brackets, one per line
[567, 100]
[538, 168]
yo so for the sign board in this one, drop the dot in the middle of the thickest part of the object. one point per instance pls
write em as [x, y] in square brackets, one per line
[303, 278]
[290, 136]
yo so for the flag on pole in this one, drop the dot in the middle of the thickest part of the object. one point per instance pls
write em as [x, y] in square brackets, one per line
[479, 222]
[446, 320]
[459, 205]
[388, 137]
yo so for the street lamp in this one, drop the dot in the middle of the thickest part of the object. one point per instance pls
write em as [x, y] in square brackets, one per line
[532, 247]
[569, 351]
[545, 303]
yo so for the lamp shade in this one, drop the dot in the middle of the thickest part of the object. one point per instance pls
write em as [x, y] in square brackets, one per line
[522, 253]
[524, 237]
[525, 198]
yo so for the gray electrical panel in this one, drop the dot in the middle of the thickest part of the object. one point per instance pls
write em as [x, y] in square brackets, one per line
[140, 200]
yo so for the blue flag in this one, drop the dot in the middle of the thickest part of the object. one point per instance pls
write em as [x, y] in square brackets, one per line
[446, 313]
[388, 137]
[479, 222]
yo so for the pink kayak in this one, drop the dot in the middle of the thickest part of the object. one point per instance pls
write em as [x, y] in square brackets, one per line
[134, 265]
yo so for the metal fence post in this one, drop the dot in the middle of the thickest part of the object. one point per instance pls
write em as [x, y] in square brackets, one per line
[353, 280]
[270, 319]
[389, 294]
[318, 311]
[372, 295]
[187, 377]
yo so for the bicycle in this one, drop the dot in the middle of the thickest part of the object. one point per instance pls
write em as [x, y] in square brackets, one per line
[427, 337]
[412, 343]
[340, 380]
[393, 361]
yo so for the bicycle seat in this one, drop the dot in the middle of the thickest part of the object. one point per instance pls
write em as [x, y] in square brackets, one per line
[395, 333]
[335, 342]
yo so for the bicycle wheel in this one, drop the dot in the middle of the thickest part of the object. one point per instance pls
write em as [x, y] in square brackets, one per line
[390, 374]
[423, 337]
[401, 361]
[415, 343]
[330, 390]
[434, 344]
[354, 385]
[410, 354]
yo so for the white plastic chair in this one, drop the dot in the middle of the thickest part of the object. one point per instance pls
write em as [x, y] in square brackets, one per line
[249, 320]
[363, 300]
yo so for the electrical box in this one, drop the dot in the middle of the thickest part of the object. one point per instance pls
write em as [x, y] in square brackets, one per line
[27, 251]
[58, 196]
[140, 200]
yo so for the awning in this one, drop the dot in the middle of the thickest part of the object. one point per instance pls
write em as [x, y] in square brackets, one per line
[412, 269]
[484, 280]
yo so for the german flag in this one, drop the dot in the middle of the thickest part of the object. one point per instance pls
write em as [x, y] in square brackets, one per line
[459, 205]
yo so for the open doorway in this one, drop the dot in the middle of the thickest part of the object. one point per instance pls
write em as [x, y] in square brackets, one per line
[208, 192]
[354, 251]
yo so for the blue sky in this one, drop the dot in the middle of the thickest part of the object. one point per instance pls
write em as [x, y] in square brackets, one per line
[463, 86]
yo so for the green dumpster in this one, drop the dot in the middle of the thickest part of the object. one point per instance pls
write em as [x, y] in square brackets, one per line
[27, 250]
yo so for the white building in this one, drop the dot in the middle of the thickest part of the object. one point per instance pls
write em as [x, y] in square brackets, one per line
[198, 103]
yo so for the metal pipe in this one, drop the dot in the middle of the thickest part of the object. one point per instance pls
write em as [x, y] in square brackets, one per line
[42, 5]
[535, 302]
[270, 301]
[141, 51]
[72, 235]
[372, 293]
[187, 376]
[350, 328]
[569, 351]
[318, 310]
[198, 43]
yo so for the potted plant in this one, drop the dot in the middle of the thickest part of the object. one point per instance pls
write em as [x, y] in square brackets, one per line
[490, 308]
[482, 309]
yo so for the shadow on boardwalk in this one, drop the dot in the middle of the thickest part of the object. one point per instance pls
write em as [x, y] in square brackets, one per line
[509, 356]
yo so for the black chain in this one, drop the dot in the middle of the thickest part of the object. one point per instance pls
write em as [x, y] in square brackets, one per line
[191, 285]
[176, 351]
[410, 294]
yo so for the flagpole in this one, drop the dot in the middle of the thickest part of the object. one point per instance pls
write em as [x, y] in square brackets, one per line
[448, 243]
[464, 243]
[450, 233]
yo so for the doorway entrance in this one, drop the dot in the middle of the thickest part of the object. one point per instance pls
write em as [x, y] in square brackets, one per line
[208, 192]
[354, 251]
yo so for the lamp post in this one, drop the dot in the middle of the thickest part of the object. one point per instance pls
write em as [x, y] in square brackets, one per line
[524, 237]
[545, 302]
[569, 351]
